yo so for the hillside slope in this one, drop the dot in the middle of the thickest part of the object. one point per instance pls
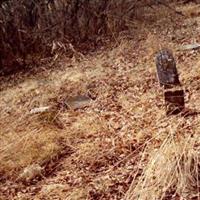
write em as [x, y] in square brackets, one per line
[119, 145]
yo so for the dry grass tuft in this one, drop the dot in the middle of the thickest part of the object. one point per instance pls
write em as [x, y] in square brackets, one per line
[172, 169]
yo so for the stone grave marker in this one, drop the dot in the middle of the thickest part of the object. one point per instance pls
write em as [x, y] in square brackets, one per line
[169, 80]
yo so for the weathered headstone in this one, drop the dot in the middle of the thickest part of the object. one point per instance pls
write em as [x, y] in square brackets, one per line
[166, 69]
[169, 80]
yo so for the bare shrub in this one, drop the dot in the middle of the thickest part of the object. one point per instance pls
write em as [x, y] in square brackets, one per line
[32, 27]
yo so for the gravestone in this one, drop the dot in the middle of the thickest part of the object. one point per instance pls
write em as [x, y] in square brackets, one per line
[169, 80]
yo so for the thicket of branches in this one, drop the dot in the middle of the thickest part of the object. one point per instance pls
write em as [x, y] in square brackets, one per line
[29, 27]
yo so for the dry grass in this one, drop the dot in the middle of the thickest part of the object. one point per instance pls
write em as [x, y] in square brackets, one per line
[123, 137]
[172, 169]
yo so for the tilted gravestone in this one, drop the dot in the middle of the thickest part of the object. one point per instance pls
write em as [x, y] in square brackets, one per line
[169, 80]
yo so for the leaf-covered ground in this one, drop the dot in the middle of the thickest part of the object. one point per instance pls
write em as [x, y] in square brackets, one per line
[104, 150]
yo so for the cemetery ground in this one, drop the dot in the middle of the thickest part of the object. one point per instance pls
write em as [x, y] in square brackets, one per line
[119, 144]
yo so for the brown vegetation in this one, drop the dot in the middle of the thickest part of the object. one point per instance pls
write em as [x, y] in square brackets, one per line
[30, 28]
[121, 145]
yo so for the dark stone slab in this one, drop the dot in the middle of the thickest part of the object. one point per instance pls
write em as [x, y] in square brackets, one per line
[174, 101]
[166, 69]
[169, 81]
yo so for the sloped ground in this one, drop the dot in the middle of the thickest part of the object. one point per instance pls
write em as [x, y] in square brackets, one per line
[108, 150]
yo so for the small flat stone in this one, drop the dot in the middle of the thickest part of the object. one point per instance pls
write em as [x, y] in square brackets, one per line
[77, 102]
[40, 110]
[30, 172]
[190, 47]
